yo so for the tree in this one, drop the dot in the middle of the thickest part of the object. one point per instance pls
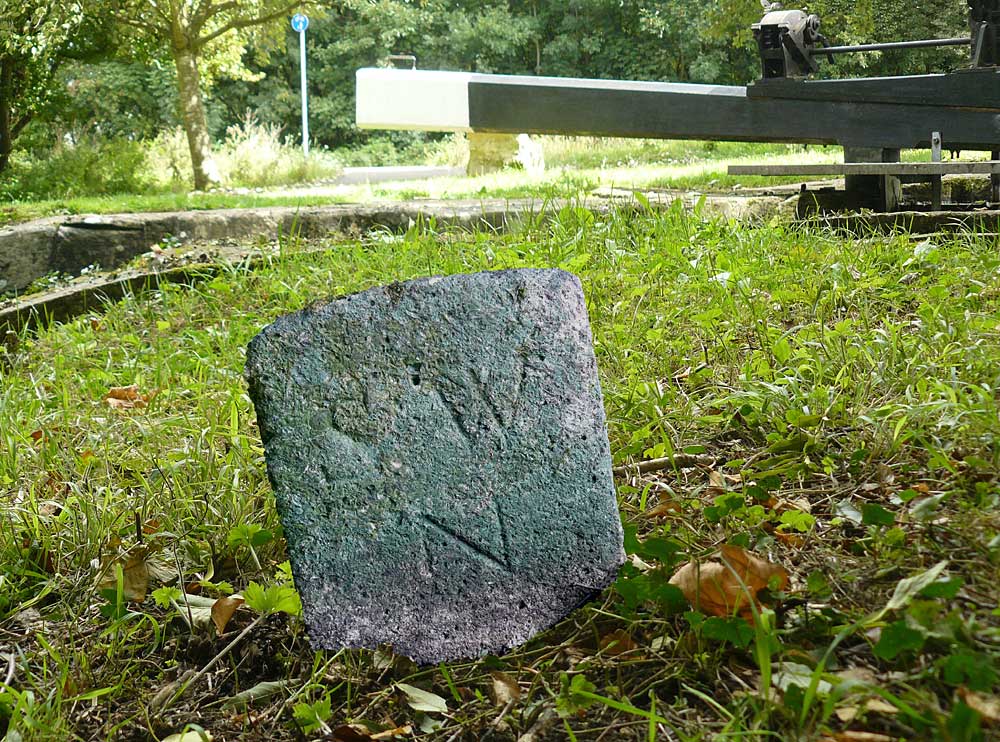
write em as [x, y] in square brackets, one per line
[623, 39]
[199, 33]
[36, 38]
[860, 22]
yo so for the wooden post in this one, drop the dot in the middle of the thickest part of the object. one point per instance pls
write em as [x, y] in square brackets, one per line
[995, 179]
[882, 192]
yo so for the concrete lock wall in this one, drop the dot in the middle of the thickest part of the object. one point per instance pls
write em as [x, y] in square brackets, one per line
[69, 245]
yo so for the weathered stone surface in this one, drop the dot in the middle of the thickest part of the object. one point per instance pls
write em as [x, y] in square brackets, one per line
[440, 460]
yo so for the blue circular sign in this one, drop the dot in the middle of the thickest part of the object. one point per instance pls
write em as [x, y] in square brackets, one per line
[299, 22]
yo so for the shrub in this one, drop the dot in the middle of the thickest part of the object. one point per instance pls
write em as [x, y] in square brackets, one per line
[408, 148]
[254, 155]
[169, 159]
[92, 167]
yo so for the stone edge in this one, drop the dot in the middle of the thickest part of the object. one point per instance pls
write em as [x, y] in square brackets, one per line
[31, 247]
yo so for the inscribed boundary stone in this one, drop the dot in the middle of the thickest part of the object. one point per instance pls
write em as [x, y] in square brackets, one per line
[439, 457]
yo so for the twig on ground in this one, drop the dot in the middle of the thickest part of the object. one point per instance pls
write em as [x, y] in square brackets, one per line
[213, 662]
[679, 461]
[11, 666]
[503, 712]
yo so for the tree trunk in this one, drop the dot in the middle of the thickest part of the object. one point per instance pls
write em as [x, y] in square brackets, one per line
[6, 96]
[206, 172]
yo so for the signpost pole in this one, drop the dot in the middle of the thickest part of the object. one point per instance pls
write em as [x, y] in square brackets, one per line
[300, 23]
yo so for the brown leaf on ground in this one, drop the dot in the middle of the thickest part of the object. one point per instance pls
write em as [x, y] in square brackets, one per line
[716, 479]
[783, 505]
[716, 485]
[988, 707]
[351, 733]
[139, 568]
[223, 610]
[127, 397]
[664, 508]
[617, 642]
[505, 688]
[721, 586]
[792, 540]
[872, 705]
[402, 731]
[857, 737]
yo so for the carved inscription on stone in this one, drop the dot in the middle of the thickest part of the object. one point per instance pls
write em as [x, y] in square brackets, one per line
[440, 461]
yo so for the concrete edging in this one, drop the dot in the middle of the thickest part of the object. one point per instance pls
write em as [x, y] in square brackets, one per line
[38, 248]
[70, 244]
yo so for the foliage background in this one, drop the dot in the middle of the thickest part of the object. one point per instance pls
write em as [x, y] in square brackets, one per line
[104, 83]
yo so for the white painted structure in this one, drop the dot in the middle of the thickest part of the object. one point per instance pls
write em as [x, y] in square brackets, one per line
[413, 99]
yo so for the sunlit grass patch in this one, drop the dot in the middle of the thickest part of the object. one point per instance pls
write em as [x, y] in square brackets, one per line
[827, 404]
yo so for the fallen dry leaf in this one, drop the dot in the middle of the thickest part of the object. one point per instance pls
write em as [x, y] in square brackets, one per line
[127, 397]
[49, 509]
[223, 610]
[135, 575]
[720, 586]
[856, 737]
[191, 736]
[872, 705]
[988, 707]
[782, 505]
[351, 733]
[716, 485]
[139, 567]
[639, 564]
[793, 540]
[505, 688]
[860, 675]
[393, 733]
[617, 642]
[663, 508]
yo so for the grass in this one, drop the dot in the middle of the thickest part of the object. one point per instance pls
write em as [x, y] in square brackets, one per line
[828, 403]
[575, 164]
[139, 203]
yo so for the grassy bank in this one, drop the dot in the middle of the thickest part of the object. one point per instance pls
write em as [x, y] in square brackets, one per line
[826, 404]
[281, 178]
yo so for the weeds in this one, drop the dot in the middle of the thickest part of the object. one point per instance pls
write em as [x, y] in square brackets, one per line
[827, 404]
[251, 155]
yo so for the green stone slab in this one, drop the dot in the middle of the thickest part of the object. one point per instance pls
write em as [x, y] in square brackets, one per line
[439, 456]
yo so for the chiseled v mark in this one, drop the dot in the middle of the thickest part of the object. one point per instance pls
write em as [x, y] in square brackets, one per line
[500, 561]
